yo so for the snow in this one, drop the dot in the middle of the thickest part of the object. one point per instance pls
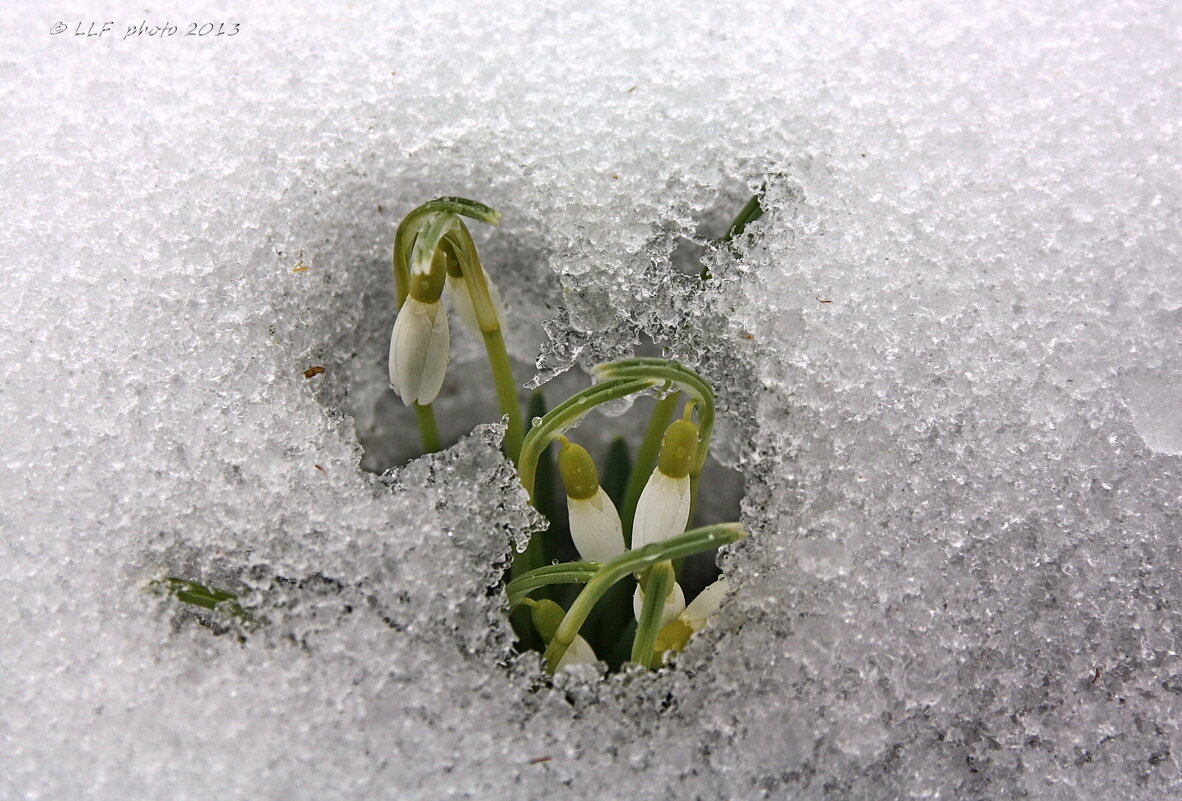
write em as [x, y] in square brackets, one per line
[946, 360]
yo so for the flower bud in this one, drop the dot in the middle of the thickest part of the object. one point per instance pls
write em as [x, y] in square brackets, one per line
[546, 616]
[419, 350]
[679, 448]
[663, 509]
[428, 286]
[706, 604]
[674, 604]
[595, 524]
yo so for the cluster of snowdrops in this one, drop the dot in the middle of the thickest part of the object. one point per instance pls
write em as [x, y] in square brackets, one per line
[620, 602]
[635, 542]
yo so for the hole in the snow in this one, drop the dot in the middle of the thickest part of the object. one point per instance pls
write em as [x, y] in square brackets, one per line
[387, 430]
[713, 224]
[389, 436]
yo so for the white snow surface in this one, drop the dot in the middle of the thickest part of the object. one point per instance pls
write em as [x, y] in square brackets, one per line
[947, 361]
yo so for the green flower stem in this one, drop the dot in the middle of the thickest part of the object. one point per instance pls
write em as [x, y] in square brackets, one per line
[428, 433]
[412, 223]
[450, 231]
[418, 237]
[660, 581]
[566, 415]
[565, 573]
[691, 542]
[506, 387]
[689, 382]
[646, 459]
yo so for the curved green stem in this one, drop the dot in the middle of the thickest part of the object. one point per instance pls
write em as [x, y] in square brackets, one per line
[680, 376]
[660, 581]
[428, 433]
[559, 419]
[687, 544]
[449, 231]
[506, 388]
[685, 379]
[408, 230]
[420, 235]
[566, 415]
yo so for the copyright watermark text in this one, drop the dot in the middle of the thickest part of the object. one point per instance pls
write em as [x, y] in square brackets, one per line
[109, 29]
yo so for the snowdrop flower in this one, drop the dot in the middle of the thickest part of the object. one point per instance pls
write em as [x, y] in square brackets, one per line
[546, 615]
[664, 506]
[696, 614]
[421, 341]
[674, 604]
[594, 522]
[675, 633]
[461, 301]
[579, 653]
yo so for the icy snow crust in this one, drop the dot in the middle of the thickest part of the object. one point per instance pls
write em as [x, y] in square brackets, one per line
[947, 360]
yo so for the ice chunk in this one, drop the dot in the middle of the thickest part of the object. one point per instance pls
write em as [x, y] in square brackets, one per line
[1155, 399]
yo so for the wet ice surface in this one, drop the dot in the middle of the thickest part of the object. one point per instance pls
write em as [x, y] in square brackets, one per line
[947, 359]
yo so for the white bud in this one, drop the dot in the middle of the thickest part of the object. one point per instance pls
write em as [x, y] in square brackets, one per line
[419, 349]
[663, 509]
[461, 301]
[595, 527]
[704, 605]
[674, 604]
[579, 653]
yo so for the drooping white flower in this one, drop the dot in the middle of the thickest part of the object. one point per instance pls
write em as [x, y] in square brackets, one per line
[461, 299]
[594, 522]
[676, 633]
[706, 604]
[674, 604]
[419, 347]
[579, 653]
[547, 616]
[664, 506]
[595, 527]
[663, 509]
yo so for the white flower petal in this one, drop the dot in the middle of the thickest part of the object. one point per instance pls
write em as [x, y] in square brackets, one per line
[595, 527]
[674, 604]
[461, 302]
[435, 362]
[401, 357]
[461, 299]
[663, 509]
[419, 348]
[704, 605]
[579, 653]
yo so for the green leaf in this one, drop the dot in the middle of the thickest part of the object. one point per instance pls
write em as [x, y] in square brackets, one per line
[617, 470]
[564, 573]
[197, 594]
[750, 212]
